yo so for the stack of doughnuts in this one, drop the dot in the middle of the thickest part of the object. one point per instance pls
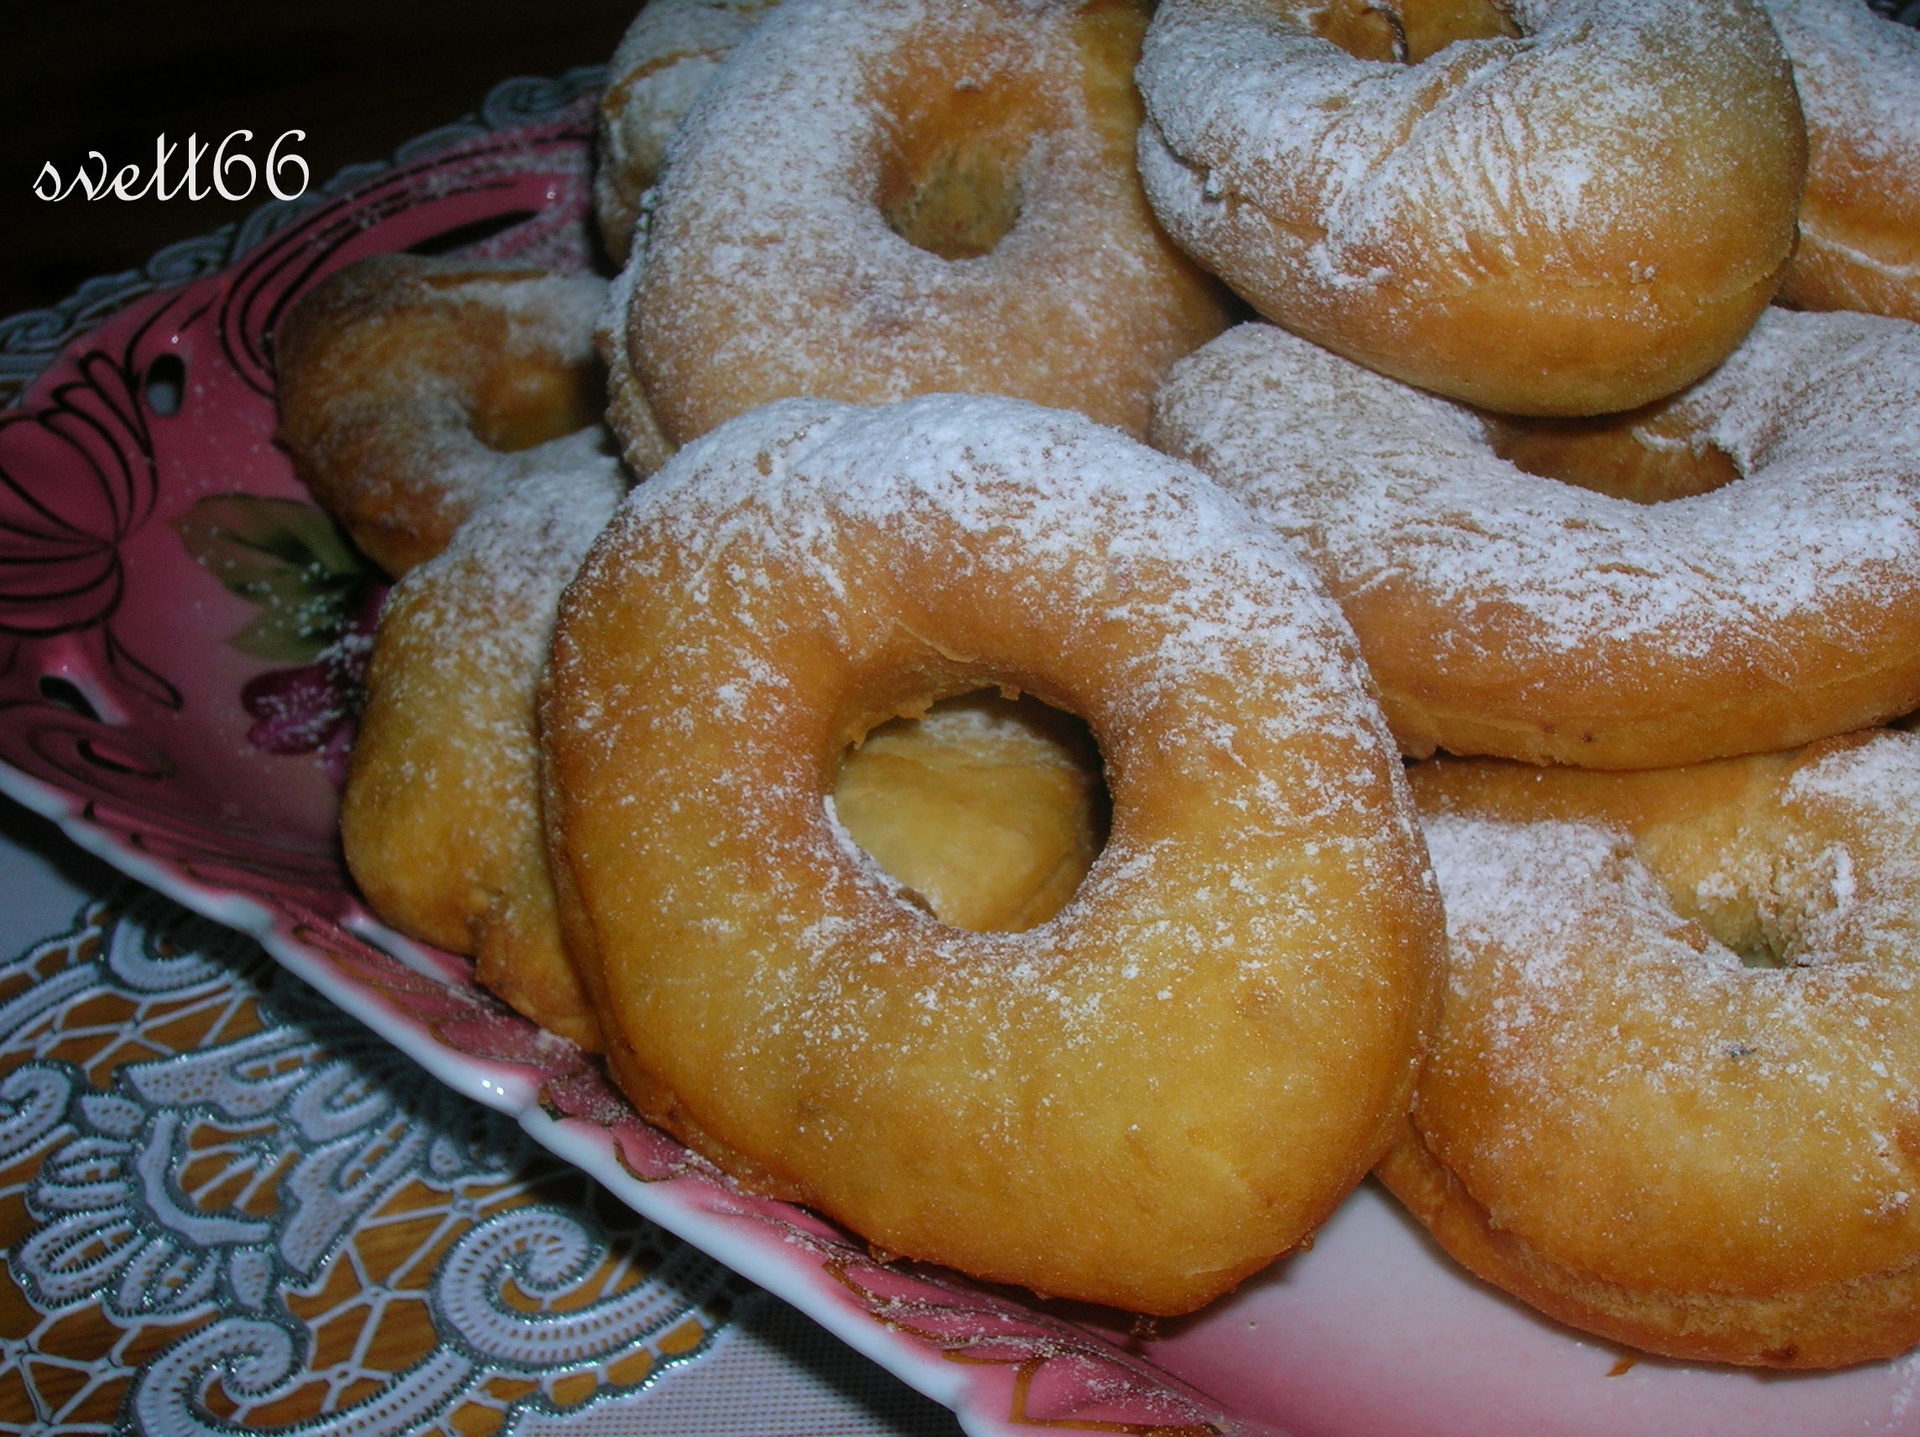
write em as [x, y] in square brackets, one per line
[651, 773]
[970, 763]
[1634, 557]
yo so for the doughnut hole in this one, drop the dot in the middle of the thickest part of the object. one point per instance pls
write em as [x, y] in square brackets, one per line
[950, 180]
[1772, 884]
[1766, 915]
[1640, 459]
[1406, 35]
[988, 810]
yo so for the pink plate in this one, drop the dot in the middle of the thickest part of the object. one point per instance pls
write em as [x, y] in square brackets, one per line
[182, 632]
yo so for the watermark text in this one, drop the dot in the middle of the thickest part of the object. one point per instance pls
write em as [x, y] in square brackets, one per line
[193, 170]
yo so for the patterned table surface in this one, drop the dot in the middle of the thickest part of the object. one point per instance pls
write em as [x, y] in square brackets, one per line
[226, 1206]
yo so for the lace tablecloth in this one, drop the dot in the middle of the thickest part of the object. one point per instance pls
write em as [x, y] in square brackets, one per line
[226, 1206]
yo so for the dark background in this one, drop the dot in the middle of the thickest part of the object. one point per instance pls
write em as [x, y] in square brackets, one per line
[359, 76]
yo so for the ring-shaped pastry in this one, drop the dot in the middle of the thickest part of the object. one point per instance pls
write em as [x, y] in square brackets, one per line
[412, 389]
[1673, 1098]
[440, 820]
[881, 198]
[1141, 1100]
[1540, 206]
[1776, 600]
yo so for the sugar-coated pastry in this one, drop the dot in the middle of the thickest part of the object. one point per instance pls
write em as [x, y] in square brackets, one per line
[1858, 74]
[881, 198]
[1509, 614]
[440, 820]
[1675, 1095]
[412, 389]
[669, 52]
[1540, 206]
[1138, 1102]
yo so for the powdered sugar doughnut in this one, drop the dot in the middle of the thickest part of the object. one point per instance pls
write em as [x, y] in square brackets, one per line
[412, 389]
[440, 820]
[1138, 1102]
[880, 198]
[1504, 613]
[663, 61]
[1858, 75]
[1580, 215]
[1626, 1124]
[984, 810]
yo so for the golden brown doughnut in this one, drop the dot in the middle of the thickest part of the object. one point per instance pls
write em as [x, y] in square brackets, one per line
[985, 810]
[666, 57]
[411, 389]
[1858, 74]
[1626, 1124]
[880, 198]
[1139, 1101]
[440, 820]
[1576, 206]
[1505, 613]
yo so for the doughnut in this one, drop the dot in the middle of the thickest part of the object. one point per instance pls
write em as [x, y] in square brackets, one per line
[1539, 206]
[1858, 73]
[880, 198]
[1137, 1102]
[1673, 1099]
[412, 388]
[1509, 614]
[667, 55]
[986, 810]
[440, 819]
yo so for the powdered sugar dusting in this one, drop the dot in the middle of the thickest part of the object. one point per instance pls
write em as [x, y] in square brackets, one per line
[960, 542]
[927, 476]
[1388, 485]
[769, 269]
[1271, 147]
[1587, 1015]
[520, 549]
[481, 613]
[1856, 73]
